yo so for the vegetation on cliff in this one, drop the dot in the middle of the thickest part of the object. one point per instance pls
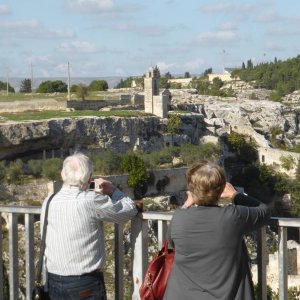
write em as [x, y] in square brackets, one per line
[281, 76]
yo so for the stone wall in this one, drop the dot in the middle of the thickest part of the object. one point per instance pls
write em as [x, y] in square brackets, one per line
[223, 77]
[32, 105]
[165, 181]
[183, 81]
[272, 156]
[96, 104]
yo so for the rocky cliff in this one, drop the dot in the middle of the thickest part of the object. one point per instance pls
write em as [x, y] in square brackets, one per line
[252, 117]
[121, 134]
[206, 116]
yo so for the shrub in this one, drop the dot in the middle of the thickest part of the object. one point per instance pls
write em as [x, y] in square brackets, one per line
[98, 85]
[51, 168]
[287, 162]
[138, 175]
[14, 173]
[107, 162]
[35, 167]
[2, 170]
[82, 91]
[193, 153]
[49, 86]
[174, 123]
[243, 146]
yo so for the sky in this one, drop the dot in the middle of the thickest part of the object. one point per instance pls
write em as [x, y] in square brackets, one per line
[98, 38]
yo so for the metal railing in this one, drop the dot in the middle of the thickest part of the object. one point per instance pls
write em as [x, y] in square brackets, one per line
[139, 240]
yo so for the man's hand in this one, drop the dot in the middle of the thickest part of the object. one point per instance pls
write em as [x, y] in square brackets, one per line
[105, 187]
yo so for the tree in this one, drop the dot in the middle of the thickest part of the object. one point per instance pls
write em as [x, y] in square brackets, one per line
[244, 149]
[168, 75]
[98, 85]
[73, 88]
[82, 91]
[249, 64]
[25, 86]
[187, 75]
[138, 176]
[49, 86]
[3, 87]
[208, 71]
[156, 72]
[243, 66]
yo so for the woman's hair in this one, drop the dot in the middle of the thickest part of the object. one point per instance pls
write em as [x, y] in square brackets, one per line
[77, 170]
[206, 182]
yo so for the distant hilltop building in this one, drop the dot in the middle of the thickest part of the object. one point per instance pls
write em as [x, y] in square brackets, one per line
[155, 103]
[183, 81]
[226, 76]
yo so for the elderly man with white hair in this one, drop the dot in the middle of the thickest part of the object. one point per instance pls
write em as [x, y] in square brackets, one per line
[74, 253]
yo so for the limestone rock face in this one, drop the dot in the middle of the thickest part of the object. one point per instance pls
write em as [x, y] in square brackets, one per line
[120, 134]
[252, 117]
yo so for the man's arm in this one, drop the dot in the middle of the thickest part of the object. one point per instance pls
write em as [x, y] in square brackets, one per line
[112, 205]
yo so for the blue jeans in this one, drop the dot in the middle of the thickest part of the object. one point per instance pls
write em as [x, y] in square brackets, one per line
[87, 286]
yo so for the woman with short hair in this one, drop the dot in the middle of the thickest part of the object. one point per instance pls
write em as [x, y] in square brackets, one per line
[211, 260]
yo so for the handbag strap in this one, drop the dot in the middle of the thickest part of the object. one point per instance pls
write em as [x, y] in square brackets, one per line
[43, 243]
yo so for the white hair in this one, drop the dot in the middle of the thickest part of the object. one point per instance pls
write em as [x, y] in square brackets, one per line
[77, 170]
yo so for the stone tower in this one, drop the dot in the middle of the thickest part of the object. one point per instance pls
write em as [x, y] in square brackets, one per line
[154, 102]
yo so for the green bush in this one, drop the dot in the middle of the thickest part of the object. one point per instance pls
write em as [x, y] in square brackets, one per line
[107, 163]
[51, 168]
[15, 172]
[2, 170]
[98, 85]
[243, 146]
[193, 153]
[49, 86]
[138, 175]
[174, 123]
[35, 167]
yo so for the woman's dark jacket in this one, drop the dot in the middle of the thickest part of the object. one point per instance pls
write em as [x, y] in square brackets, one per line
[211, 260]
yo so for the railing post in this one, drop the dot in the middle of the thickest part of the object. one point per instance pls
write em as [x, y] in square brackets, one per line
[282, 263]
[119, 262]
[139, 231]
[13, 257]
[162, 227]
[261, 264]
[29, 252]
[1, 262]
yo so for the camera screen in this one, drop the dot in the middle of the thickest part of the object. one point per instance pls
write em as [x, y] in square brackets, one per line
[92, 185]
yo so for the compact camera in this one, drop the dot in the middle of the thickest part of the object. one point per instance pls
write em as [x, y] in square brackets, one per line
[93, 185]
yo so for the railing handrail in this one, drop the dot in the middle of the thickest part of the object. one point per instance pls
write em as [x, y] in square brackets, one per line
[140, 249]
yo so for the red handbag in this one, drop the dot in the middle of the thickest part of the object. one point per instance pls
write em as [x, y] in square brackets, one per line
[156, 277]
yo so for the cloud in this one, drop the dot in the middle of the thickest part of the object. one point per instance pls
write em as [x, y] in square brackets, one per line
[80, 47]
[39, 59]
[228, 25]
[274, 46]
[4, 9]
[61, 33]
[194, 64]
[269, 17]
[90, 6]
[19, 25]
[227, 7]
[163, 66]
[148, 31]
[33, 29]
[211, 37]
